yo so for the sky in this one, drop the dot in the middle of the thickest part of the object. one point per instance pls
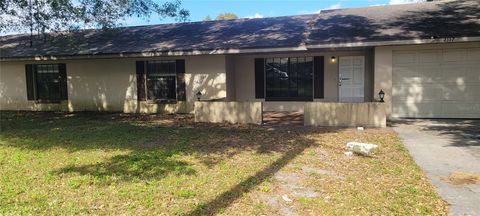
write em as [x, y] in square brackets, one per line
[199, 9]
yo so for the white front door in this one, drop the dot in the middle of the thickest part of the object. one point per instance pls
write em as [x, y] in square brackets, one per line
[351, 78]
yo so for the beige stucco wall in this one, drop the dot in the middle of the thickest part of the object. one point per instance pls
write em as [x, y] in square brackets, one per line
[103, 85]
[207, 75]
[383, 75]
[345, 114]
[245, 78]
[231, 112]
[230, 73]
[383, 66]
[110, 85]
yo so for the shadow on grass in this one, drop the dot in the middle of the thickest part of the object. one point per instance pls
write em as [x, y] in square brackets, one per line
[227, 198]
[143, 165]
[152, 146]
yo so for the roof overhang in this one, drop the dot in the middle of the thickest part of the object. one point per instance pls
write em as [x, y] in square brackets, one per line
[302, 48]
[398, 42]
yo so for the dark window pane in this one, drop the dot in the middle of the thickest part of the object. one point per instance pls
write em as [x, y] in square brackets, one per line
[48, 82]
[308, 75]
[289, 78]
[161, 80]
[161, 88]
[160, 67]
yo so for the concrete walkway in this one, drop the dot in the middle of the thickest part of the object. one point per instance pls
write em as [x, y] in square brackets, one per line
[443, 146]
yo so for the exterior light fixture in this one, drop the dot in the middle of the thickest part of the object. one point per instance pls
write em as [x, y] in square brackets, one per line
[199, 95]
[381, 94]
[333, 59]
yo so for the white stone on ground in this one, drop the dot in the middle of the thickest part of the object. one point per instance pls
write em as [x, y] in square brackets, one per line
[286, 198]
[361, 148]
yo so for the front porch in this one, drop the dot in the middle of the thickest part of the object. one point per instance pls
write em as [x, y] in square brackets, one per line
[330, 87]
[371, 114]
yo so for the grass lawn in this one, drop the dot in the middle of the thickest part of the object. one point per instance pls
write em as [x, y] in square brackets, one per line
[85, 163]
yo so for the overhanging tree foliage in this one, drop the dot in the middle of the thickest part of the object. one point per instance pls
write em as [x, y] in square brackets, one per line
[207, 18]
[40, 16]
[226, 16]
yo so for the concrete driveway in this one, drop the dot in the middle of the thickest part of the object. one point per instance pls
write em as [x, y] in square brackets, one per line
[441, 147]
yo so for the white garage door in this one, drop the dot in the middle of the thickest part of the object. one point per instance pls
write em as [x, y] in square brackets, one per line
[440, 83]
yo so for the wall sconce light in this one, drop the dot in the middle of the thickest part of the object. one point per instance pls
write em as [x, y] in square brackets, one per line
[199, 95]
[381, 94]
[333, 59]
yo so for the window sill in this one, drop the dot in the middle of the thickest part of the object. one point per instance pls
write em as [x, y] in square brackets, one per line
[289, 99]
[48, 101]
[161, 101]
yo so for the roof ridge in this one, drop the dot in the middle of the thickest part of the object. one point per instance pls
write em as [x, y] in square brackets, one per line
[321, 12]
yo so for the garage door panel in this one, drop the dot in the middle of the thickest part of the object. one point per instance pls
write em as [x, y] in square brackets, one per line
[405, 75]
[454, 55]
[432, 92]
[435, 92]
[473, 54]
[429, 57]
[461, 110]
[454, 74]
[469, 73]
[473, 91]
[462, 92]
[429, 74]
[417, 75]
[473, 74]
[400, 92]
[419, 110]
[453, 109]
[442, 83]
[405, 58]
[418, 92]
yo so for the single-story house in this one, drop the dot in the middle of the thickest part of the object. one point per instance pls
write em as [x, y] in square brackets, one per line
[425, 57]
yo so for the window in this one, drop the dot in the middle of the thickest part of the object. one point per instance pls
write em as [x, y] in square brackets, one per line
[289, 78]
[46, 82]
[161, 80]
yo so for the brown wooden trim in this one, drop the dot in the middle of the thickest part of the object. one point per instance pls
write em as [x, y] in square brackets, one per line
[62, 70]
[141, 81]
[259, 78]
[318, 77]
[181, 87]
[30, 81]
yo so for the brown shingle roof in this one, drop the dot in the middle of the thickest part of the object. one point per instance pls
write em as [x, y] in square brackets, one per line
[380, 23]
